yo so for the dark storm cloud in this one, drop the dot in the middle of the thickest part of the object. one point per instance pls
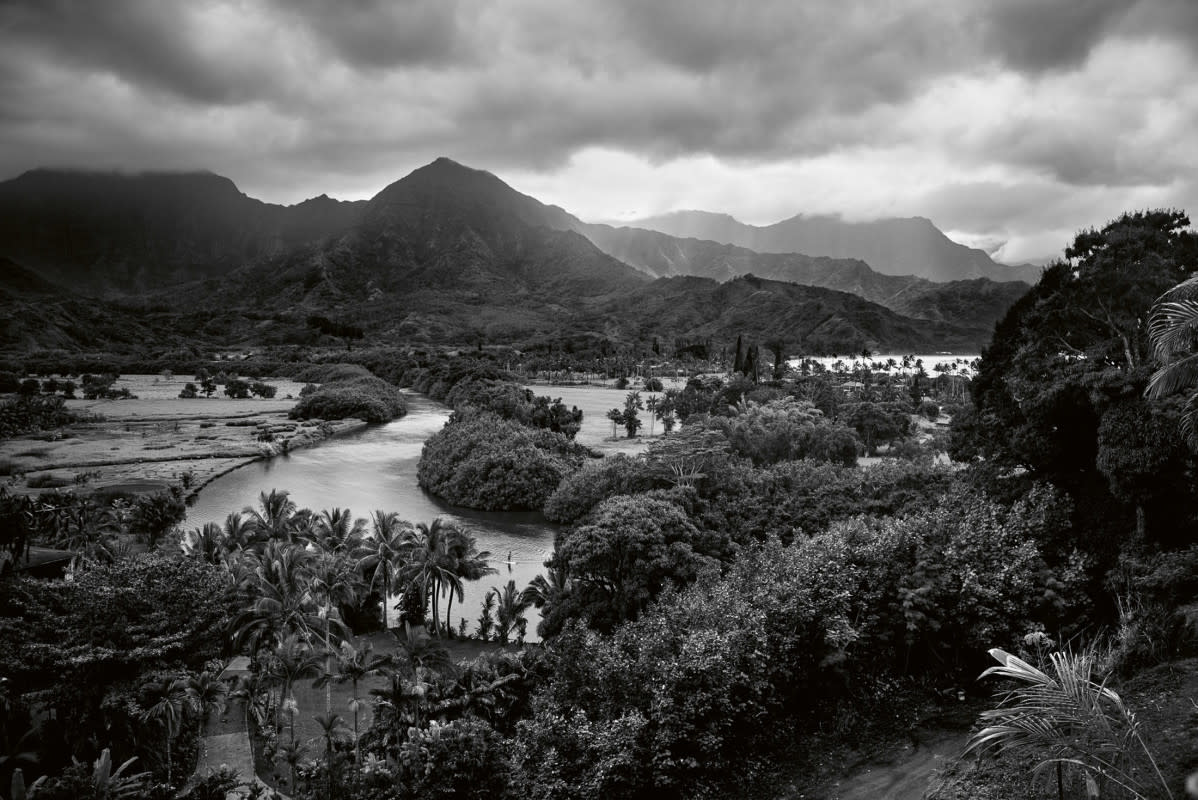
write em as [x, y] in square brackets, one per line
[296, 97]
[380, 33]
[154, 45]
[1035, 35]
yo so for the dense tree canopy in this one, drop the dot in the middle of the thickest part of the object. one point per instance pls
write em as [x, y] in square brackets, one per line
[1072, 351]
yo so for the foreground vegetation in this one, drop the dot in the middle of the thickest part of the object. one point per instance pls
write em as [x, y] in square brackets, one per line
[741, 591]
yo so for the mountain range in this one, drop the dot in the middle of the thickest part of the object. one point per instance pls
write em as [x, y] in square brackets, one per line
[892, 246]
[445, 254]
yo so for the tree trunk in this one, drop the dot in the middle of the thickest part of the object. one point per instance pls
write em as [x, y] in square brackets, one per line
[357, 746]
[436, 610]
[328, 668]
[168, 759]
[448, 612]
[386, 595]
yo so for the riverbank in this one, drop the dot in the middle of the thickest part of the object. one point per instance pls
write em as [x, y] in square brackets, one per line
[157, 439]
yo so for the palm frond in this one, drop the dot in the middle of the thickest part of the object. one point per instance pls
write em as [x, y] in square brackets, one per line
[1065, 717]
[1173, 327]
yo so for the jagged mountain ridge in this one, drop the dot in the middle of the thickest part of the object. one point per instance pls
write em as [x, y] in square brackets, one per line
[980, 300]
[892, 246]
[453, 254]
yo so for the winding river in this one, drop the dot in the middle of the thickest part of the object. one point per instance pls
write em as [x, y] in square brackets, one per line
[376, 469]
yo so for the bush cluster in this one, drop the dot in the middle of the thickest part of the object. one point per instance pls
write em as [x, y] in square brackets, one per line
[484, 461]
[24, 415]
[367, 398]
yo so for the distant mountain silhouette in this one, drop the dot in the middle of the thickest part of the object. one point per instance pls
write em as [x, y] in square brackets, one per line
[980, 301]
[445, 254]
[910, 246]
[111, 232]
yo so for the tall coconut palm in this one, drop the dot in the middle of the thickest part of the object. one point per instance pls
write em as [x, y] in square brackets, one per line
[207, 544]
[431, 563]
[332, 731]
[171, 705]
[275, 517]
[333, 583]
[465, 563]
[336, 530]
[355, 665]
[382, 554]
[547, 589]
[291, 660]
[509, 609]
[1173, 331]
[239, 533]
[280, 598]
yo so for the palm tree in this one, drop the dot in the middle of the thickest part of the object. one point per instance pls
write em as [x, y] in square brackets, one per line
[333, 583]
[291, 753]
[332, 730]
[278, 583]
[382, 554]
[425, 654]
[169, 710]
[651, 406]
[206, 544]
[354, 666]
[1070, 720]
[430, 564]
[548, 589]
[337, 530]
[466, 564]
[1173, 332]
[239, 532]
[290, 661]
[509, 610]
[209, 693]
[275, 518]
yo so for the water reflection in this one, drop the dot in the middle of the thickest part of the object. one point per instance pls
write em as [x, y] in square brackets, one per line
[376, 469]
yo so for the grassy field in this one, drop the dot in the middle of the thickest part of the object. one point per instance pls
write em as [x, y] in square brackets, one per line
[595, 402]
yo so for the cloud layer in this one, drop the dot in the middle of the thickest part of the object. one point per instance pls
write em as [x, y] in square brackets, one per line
[1010, 123]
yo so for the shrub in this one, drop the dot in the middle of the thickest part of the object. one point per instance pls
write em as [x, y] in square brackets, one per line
[369, 399]
[595, 482]
[189, 391]
[265, 390]
[47, 480]
[151, 516]
[329, 373]
[483, 461]
[24, 415]
[465, 758]
[237, 389]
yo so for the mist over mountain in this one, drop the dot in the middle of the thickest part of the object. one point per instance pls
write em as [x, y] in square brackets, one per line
[980, 301]
[445, 254]
[894, 246]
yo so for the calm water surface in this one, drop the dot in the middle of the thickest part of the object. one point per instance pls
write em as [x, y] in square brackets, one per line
[376, 469]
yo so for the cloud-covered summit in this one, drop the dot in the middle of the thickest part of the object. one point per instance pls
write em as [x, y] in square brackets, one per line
[1008, 122]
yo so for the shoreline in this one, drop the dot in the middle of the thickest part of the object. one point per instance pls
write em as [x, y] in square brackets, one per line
[147, 445]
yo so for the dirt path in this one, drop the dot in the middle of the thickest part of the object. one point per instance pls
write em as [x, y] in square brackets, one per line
[905, 777]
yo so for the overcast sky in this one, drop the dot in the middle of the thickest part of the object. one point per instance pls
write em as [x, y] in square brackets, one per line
[1010, 123]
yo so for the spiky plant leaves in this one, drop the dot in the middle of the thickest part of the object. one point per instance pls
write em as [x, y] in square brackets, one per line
[1067, 719]
[1173, 331]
